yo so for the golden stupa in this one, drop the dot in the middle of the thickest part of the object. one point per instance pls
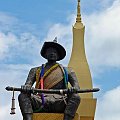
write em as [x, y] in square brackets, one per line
[79, 63]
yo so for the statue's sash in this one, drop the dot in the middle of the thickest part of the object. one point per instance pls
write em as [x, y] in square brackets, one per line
[51, 77]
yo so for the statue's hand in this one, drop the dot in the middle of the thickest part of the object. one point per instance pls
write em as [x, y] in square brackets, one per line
[72, 90]
[26, 89]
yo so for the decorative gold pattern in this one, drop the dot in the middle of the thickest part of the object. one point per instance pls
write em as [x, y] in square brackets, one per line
[78, 19]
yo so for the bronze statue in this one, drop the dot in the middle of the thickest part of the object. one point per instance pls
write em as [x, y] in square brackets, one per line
[51, 75]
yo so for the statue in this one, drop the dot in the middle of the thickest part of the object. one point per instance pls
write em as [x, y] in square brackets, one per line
[51, 75]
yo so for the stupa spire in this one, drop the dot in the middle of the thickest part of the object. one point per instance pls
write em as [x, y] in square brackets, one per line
[78, 19]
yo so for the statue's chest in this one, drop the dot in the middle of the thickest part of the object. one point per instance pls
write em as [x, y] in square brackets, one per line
[51, 77]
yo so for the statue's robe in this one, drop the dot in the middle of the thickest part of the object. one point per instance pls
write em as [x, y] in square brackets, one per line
[54, 103]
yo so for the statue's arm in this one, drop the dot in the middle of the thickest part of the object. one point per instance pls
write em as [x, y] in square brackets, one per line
[31, 77]
[73, 79]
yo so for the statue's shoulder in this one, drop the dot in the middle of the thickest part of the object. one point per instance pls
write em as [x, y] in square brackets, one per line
[68, 69]
[34, 69]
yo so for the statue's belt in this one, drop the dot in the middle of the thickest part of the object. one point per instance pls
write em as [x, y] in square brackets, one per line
[53, 76]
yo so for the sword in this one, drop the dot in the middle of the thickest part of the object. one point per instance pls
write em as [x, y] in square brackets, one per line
[53, 91]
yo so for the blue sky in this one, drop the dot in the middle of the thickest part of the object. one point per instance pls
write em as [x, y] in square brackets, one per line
[26, 24]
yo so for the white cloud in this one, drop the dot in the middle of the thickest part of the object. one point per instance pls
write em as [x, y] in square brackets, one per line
[21, 47]
[5, 113]
[108, 107]
[7, 20]
[103, 37]
[17, 41]
[106, 3]
[6, 41]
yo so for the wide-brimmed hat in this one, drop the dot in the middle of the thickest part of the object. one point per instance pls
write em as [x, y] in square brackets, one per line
[60, 49]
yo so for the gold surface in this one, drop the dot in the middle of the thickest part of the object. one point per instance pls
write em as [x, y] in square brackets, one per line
[78, 60]
[51, 116]
[87, 107]
[86, 118]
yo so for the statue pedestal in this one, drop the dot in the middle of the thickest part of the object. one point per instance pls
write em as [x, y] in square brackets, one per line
[51, 116]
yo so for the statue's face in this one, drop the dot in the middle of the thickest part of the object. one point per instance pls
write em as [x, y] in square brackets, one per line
[51, 54]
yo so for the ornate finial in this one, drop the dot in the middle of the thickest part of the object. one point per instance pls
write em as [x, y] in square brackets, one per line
[55, 40]
[13, 104]
[78, 19]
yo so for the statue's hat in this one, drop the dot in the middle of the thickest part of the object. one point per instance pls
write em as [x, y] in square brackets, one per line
[60, 49]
